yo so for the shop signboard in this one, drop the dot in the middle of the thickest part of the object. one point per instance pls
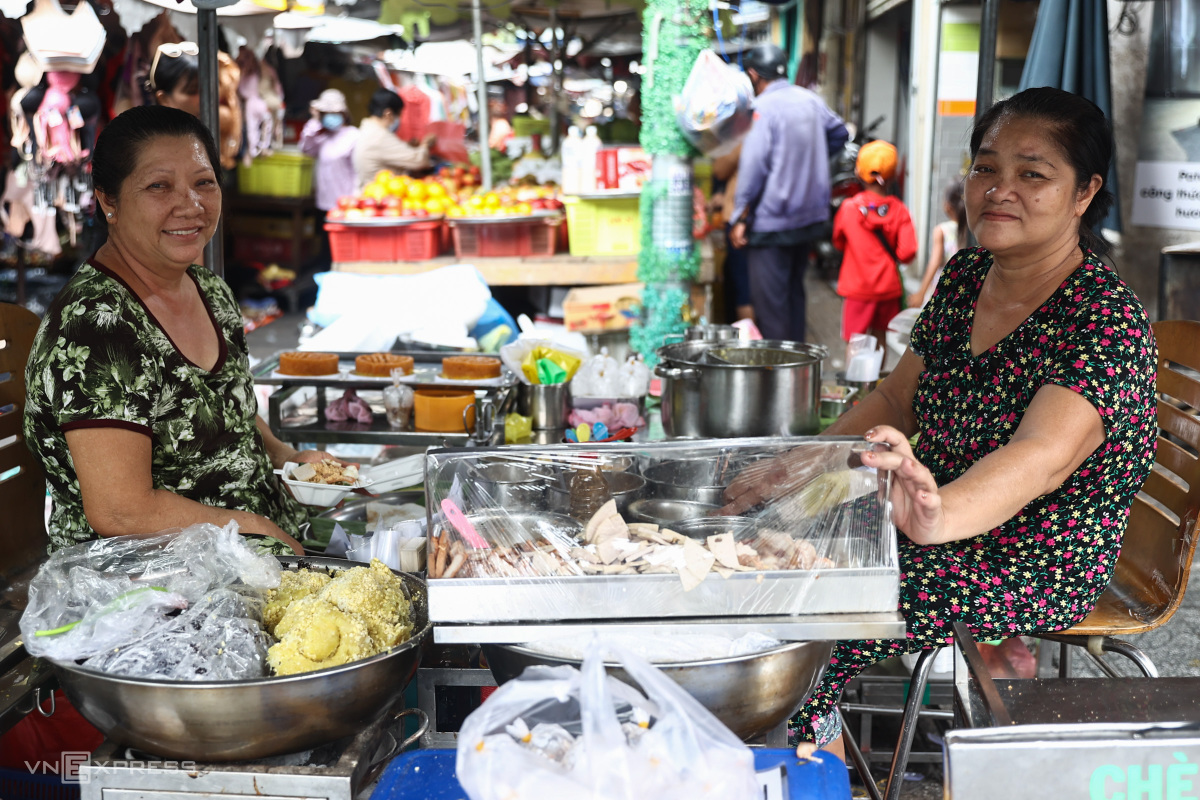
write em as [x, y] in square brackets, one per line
[1093, 761]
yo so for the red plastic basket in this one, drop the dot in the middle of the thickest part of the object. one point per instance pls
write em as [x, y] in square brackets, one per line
[509, 239]
[417, 241]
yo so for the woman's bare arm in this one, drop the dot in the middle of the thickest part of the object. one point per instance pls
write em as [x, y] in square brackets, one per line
[1058, 432]
[119, 498]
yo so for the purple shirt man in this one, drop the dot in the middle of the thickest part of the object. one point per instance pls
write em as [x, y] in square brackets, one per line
[782, 200]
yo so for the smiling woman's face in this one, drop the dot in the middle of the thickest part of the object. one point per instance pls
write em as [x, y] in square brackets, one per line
[169, 205]
[1022, 193]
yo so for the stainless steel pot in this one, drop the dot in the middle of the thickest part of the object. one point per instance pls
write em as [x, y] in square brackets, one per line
[694, 480]
[750, 694]
[250, 719]
[728, 389]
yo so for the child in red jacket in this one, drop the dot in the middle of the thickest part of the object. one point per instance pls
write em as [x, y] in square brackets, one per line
[875, 232]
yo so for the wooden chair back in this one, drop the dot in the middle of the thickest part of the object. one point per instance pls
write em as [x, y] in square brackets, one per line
[22, 485]
[1152, 571]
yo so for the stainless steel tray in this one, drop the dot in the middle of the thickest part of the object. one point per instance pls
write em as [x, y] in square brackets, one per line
[317, 430]
[613, 597]
[424, 361]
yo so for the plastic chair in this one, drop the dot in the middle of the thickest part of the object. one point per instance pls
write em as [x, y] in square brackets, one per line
[22, 484]
[1151, 574]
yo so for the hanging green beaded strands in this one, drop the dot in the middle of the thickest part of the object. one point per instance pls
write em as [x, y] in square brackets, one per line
[673, 36]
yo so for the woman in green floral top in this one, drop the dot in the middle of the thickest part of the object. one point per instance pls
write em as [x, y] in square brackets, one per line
[140, 402]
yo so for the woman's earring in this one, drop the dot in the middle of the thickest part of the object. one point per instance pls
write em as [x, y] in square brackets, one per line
[108, 215]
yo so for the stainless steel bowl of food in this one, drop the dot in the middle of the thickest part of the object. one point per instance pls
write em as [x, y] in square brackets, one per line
[751, 694]
[666, 512]
[254, 718]
[625, 487]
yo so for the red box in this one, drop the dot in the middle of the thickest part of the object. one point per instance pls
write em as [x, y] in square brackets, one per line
[417, 241]
[267, 249]
[607, 171]
[510, 239]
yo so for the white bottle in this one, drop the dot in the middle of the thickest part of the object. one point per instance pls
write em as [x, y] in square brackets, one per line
[588, 152]
[570, 161]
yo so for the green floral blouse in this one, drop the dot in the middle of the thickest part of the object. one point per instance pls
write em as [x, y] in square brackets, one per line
[101, 359]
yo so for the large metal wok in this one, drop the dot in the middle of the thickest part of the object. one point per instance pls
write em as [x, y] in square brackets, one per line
[750, 694]
[243, 720]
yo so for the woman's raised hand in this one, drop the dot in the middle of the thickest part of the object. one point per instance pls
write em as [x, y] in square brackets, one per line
[916, 503]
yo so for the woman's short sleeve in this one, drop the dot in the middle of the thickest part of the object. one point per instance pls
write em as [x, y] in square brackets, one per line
[99, 370]
[1106, 352]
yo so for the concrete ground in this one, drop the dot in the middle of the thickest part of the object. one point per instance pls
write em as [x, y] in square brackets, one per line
[1174, 648]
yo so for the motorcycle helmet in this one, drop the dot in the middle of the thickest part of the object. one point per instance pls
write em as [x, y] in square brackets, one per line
[767, 60]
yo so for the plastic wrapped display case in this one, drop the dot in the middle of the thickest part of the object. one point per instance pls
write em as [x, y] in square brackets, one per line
[731, 528]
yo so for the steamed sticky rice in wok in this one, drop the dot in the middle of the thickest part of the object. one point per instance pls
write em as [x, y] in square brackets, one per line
[326, 622]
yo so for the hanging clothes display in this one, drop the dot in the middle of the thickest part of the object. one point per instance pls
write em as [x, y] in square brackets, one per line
[53, 120]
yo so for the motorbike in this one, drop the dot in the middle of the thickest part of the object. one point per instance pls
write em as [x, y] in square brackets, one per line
[843, 183]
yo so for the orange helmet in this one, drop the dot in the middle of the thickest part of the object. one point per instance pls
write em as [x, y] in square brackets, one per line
[877, 158]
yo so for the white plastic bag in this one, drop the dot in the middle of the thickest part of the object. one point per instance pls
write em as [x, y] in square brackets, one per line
[562, 732]
[714, 110]
[100, 597]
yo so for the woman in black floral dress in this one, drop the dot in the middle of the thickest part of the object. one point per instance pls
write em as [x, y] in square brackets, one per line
[140, 402]
[1030, 381]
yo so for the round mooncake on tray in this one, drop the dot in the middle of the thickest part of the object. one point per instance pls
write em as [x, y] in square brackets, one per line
[470, 368]
[302, 362]
[380, 365]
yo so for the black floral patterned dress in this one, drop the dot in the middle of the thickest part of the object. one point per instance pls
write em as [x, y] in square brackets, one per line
[101, 359]
[1046, 567]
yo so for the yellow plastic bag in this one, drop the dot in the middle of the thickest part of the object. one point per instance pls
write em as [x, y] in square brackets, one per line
[567, 361]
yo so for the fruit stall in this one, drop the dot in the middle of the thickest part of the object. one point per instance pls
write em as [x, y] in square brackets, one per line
[524, 234]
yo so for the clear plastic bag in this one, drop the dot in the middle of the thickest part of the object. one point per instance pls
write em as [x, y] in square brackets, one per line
[562, 732]
[714, 111]
[731, 527]
[106, 594]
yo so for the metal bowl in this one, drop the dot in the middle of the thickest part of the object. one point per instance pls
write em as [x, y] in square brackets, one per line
[750, 694]
[506, 528]
[626, 487]
[666, 513]
[697, 480]
[257, 718]
[741, 527]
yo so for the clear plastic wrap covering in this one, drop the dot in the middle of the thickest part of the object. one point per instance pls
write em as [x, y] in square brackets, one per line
[117, 598]
[562, 732]
[712, 528]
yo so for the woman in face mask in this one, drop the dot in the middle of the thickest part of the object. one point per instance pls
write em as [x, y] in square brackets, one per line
[378, 146]
[330, 139]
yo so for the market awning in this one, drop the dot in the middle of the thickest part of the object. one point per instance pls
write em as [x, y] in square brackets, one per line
[245, 17]
[1070, 51]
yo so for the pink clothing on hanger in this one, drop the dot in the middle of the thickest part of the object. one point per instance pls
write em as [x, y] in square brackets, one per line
[52, 124]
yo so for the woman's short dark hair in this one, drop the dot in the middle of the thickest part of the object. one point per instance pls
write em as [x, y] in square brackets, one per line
[178, 72]
[1085, 135]
[122, 141]
[384, 100]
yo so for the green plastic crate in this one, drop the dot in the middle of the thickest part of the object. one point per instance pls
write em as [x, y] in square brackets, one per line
[604, 227]
[281, 174]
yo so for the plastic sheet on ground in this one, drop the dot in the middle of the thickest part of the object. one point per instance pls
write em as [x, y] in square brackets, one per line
[735, 527]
